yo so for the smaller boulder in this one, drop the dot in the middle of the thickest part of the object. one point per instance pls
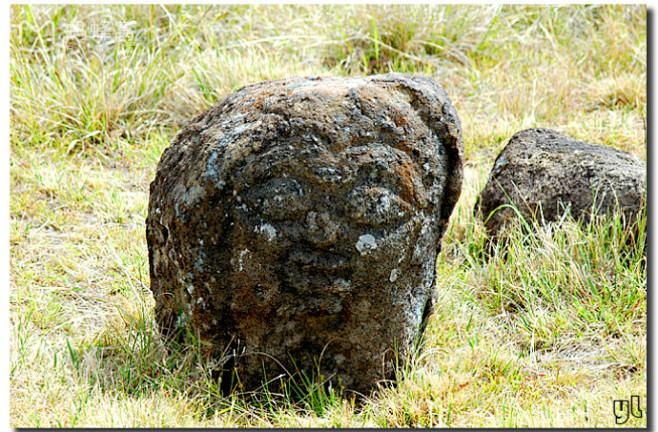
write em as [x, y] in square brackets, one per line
[544, 173]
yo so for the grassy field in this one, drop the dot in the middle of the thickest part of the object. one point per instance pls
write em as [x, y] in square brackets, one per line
[546, 335]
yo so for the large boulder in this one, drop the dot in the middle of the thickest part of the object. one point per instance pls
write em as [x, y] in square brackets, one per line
[295, 225]
[544, 173]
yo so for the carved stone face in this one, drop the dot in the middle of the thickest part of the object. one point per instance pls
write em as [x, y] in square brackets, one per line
[301, 219]
[321, 225]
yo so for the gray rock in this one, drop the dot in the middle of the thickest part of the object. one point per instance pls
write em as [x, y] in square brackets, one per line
[543, 173]
[296, 224]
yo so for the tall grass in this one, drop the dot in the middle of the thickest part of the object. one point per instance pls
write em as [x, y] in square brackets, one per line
[543, 333]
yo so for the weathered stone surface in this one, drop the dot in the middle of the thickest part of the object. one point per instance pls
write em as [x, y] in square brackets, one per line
[541, 168]
[301, 219]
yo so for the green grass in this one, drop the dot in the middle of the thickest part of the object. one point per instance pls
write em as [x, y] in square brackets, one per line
[544, 333]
